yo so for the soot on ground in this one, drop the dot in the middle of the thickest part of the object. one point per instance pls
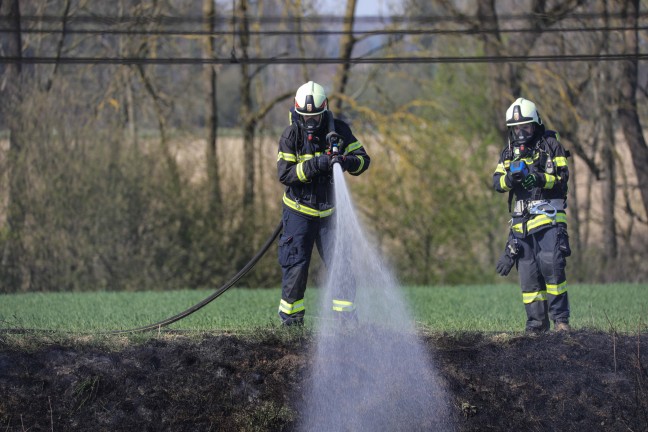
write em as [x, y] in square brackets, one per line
[178, 382]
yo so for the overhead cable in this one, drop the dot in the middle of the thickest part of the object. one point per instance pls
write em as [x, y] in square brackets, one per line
[324, 60]
[382, 32]
[323, 19]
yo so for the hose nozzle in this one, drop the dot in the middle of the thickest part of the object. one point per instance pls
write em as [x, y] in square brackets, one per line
[333, 140]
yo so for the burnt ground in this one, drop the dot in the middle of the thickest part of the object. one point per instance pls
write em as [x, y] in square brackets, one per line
[582, 381]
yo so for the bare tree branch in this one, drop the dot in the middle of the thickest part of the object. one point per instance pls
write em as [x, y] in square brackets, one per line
[347, 42]
[59, 48]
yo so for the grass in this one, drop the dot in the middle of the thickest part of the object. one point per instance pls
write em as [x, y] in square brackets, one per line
[621, 307]
[489, 308]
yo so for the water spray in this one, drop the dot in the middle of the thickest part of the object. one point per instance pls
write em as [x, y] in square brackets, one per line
[374, 374]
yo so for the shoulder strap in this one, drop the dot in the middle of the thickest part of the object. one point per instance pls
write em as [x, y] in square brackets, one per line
[331, 121]
[295, 128]
[510, 200]
[508, 154]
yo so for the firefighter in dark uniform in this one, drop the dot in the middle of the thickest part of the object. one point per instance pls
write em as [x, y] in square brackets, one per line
[532, 169]
[308, 148]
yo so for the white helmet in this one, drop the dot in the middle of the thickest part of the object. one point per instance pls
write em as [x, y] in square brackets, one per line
[521, 112]
[310, 101]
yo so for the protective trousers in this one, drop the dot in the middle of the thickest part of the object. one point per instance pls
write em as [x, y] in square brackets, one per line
[541, 267]
[299, 235]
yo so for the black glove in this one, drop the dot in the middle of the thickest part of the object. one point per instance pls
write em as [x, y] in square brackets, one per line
[322, 163]
[505, 264]
[339, 159]
[532, 180]
[508, 258]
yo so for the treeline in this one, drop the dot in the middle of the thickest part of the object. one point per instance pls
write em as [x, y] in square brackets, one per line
[141, 135]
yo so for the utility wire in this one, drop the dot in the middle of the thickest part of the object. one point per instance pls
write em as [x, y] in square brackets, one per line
[323, 19]
[383, 32]
[323, 60]
[108, 20]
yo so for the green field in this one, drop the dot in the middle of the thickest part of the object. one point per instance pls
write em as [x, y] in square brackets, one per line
[490, 308]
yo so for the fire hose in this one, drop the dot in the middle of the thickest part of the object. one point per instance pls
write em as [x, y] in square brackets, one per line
[335, 141]
[215, 294]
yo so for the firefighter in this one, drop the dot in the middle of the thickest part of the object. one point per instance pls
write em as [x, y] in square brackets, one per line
[308, 148]
[532, 169]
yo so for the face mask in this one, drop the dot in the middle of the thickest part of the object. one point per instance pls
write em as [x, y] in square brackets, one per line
[523, 133]
[312, 123]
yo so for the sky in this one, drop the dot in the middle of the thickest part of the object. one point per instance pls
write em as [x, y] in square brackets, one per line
[363, 7]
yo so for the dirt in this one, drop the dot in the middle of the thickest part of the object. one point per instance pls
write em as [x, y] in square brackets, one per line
[581, 381]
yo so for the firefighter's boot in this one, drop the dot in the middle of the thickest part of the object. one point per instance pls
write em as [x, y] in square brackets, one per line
[296, 319]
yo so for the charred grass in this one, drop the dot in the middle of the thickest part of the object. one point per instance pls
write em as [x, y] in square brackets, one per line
[174, 381]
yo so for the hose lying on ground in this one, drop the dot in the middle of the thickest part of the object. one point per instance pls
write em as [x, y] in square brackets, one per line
[216, 293]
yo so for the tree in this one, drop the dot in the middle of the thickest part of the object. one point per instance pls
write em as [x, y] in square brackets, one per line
[210, 50]
[347, 43]
[16, 212]
[506, 78]
[628, 112]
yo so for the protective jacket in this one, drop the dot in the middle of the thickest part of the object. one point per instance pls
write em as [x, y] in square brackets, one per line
[308, 191]
[548, 158]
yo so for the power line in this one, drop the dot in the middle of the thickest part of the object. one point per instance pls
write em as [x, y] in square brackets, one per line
[324, 19]
[383, 32]
[325, 60]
